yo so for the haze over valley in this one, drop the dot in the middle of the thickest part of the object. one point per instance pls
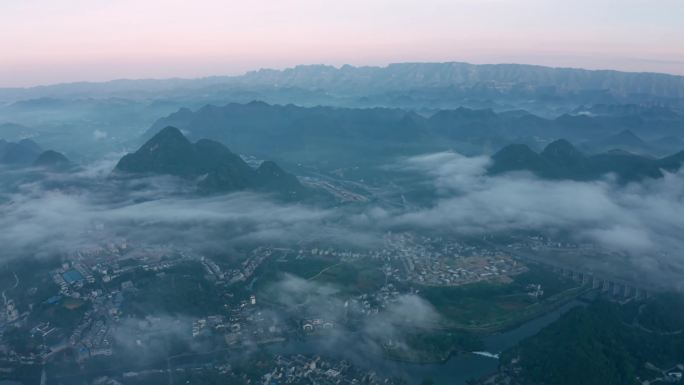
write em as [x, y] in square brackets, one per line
[429, 221]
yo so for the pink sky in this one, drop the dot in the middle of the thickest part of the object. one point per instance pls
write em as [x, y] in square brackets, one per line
[51, 41]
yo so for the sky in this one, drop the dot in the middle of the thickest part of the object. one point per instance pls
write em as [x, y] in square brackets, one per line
[54, 41]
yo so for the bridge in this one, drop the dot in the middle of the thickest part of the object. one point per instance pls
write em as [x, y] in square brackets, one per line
[618, 288]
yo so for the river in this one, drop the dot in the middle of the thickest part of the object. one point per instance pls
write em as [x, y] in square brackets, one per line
[456, 371]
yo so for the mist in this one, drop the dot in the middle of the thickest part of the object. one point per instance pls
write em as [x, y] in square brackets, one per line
[60, 213]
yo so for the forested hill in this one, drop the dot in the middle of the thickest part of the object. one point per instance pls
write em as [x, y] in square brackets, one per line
[603, 344]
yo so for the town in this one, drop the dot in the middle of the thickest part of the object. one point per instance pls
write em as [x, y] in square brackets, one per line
[94, 300]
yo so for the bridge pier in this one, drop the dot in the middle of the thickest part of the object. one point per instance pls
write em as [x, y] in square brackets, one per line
[639, 294]
[577, 277]
[616, 289]
[585, 279]
[606, 286]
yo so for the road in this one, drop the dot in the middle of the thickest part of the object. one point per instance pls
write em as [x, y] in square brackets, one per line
[16, 284]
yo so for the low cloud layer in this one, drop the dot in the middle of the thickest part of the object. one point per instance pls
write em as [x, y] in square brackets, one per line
[303, 298]
[643, 221]
[63, 213]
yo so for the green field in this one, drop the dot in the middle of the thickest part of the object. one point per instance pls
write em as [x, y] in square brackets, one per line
[488, 307]
[353, 279]
[348, 278]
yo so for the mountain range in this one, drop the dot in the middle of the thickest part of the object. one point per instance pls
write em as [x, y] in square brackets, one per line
[504, 77]
[561, 160]
[27, 153]
[23, 152]
[211, 165]
[624, 140]
[477, 79]
[92, 118]
[339, 136]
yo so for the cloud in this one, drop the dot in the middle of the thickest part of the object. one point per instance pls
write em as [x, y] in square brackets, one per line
[408, 312]
[643, 220]
[141, 342]
[60, 214]
[452, 172]
[99, 135]
[302, 298]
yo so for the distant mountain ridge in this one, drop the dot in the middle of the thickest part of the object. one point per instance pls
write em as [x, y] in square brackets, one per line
[13, 131]
[561, 160]
[23, 152]
[624, 140]
[212, 165]
[27, 153]
[397, 76]
[448, 74]
[323, 134]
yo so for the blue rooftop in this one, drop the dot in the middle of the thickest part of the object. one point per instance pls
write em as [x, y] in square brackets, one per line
[54, 299]
[71, 276]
